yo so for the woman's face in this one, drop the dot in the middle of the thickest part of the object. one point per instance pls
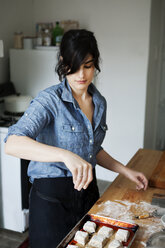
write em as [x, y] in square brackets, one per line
[81, 79]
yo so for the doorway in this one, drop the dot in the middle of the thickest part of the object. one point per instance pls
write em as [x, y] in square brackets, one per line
[154, 137]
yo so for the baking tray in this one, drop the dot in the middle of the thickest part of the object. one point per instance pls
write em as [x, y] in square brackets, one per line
[100, 221]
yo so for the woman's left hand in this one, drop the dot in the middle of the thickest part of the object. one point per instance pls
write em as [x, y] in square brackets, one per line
[137, 177]
[106, 161]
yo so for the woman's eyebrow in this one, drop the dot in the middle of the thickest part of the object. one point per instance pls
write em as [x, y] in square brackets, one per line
[89, 61]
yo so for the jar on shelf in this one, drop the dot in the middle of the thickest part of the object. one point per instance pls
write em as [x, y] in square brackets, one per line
[18, 40]
[39, 35]
[28, 42]
[47, 38]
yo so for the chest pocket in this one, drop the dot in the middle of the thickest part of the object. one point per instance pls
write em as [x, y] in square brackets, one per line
[100, 133]
[72, 136]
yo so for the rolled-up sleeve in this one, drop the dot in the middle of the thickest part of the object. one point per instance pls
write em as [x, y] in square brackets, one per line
[35, 118]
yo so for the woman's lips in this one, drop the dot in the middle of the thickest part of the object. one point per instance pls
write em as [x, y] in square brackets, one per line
[81, 81]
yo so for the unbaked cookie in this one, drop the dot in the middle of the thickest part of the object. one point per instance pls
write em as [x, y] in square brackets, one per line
[107, 232]
[115, 244]
[97, 241]
[89, 226]
[81, 237]
[122, 235]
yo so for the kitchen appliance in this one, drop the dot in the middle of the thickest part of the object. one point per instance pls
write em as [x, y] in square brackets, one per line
[32, 70]
[8, 120]
[14, 184]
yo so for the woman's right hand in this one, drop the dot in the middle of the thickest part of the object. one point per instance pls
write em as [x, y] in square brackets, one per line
[81, 170]
[27, 148]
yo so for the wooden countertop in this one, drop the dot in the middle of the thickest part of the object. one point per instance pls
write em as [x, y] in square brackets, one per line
[122, 192]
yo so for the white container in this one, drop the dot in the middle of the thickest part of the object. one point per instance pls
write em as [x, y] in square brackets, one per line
[17, 104]
[28, 43]
[163, 220]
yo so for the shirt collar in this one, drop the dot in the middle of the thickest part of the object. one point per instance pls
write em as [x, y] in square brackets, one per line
[95, 95]
[67, 92]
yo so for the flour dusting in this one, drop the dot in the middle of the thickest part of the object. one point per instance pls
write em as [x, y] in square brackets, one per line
[126, 211]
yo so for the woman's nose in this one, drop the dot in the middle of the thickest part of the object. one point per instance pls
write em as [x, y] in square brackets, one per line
[81, 73]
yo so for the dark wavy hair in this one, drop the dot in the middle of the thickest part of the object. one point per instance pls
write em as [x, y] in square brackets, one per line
[76, 44]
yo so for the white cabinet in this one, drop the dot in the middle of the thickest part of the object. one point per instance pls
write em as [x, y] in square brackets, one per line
[13, 216]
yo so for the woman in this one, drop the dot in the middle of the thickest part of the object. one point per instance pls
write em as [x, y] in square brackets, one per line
[61, 133]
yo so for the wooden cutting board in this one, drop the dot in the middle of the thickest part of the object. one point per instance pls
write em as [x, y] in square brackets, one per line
[157, 178]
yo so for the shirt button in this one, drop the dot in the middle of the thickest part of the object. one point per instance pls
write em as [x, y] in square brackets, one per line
[90, 156]
[26, 114]
[91, 141]
[73, 128]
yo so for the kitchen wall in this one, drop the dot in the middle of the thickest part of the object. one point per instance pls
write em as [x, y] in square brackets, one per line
[15, 15]
[122, 30]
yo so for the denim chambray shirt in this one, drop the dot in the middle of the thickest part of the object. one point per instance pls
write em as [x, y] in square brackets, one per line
[55, 118]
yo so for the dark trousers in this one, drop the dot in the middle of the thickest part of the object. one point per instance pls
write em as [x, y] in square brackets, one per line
[55, 208]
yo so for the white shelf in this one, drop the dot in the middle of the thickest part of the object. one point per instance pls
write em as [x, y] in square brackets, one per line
[47, 48]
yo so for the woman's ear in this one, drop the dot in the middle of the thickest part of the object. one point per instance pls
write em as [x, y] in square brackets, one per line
[61, 58]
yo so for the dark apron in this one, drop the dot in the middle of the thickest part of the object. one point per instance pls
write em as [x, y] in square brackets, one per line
[56, 207]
